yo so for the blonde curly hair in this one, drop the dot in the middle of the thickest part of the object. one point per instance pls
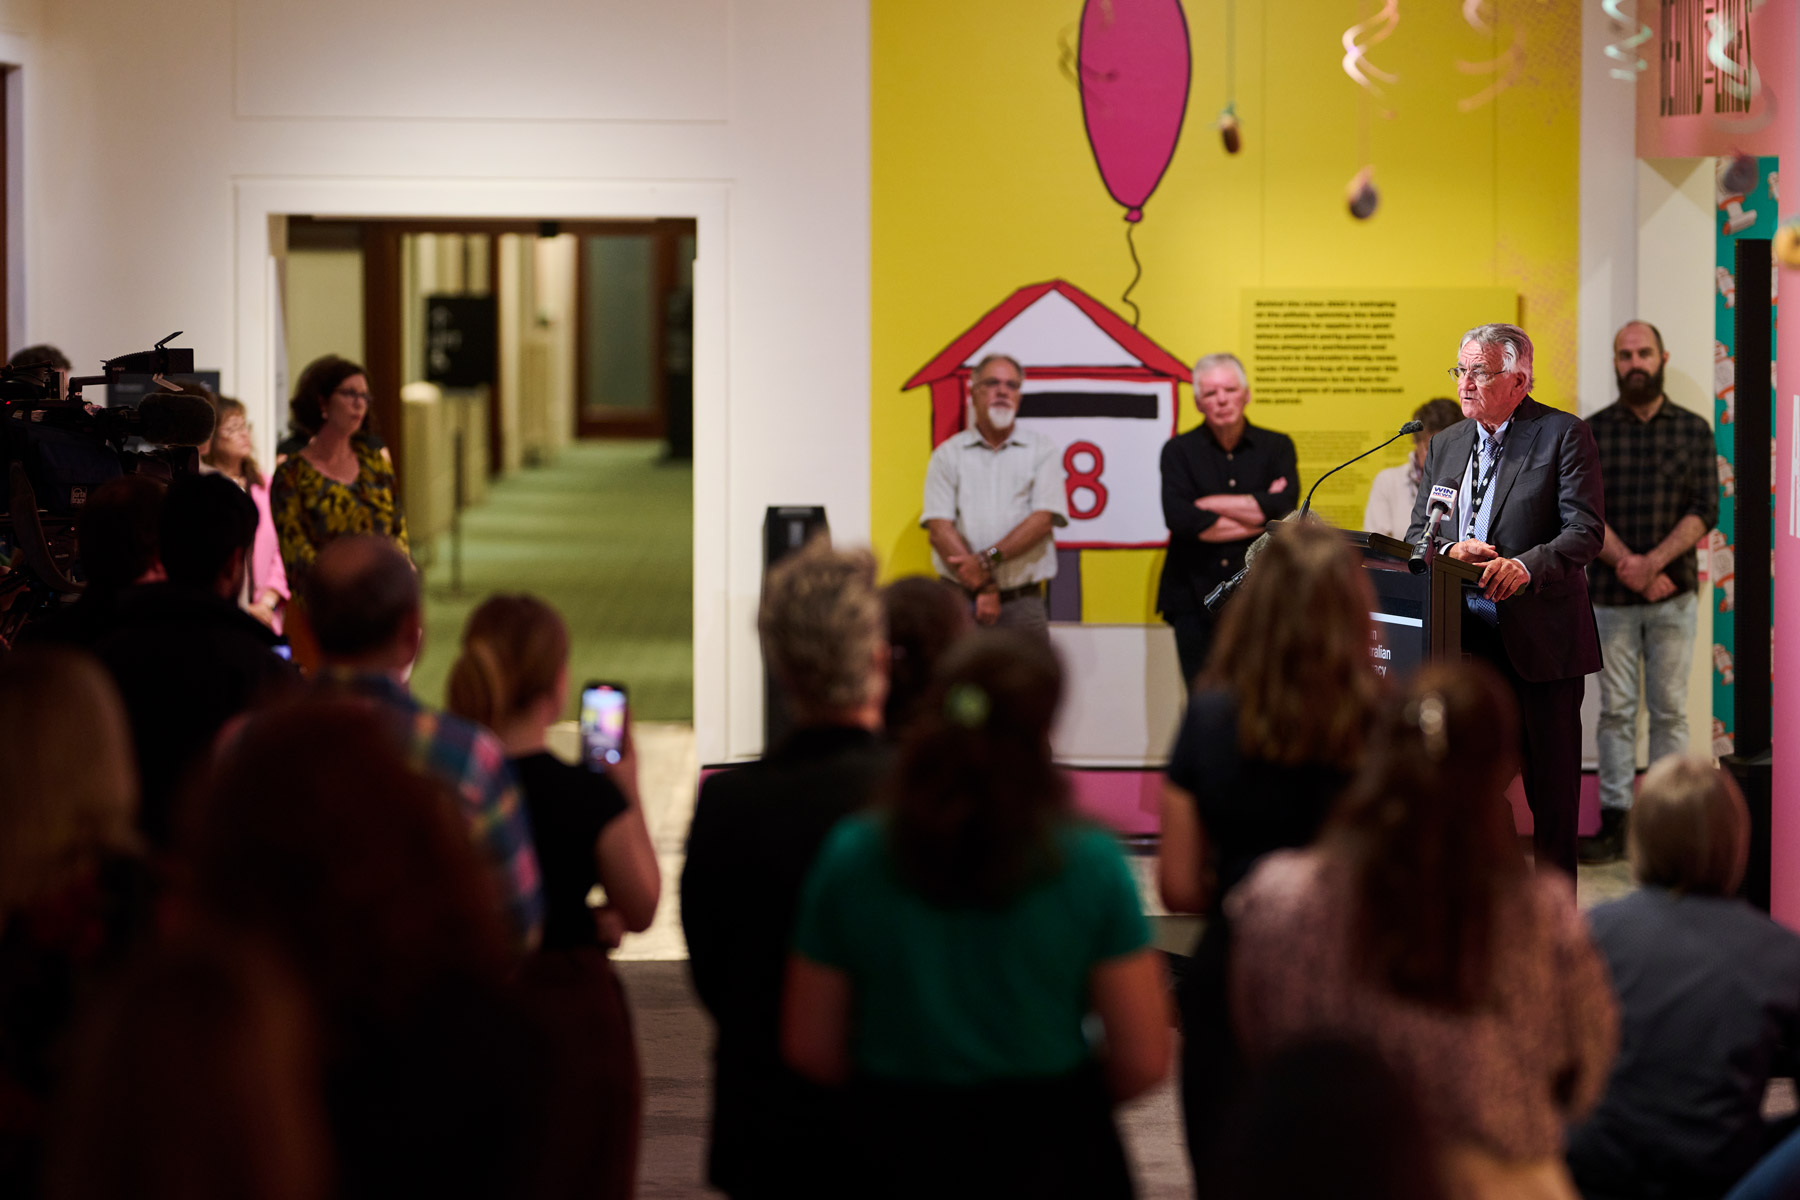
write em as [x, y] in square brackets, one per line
[822, 626]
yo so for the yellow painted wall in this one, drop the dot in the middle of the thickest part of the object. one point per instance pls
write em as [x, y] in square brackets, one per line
[982, 181]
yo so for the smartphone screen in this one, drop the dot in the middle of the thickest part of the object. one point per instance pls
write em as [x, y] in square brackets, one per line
[602, 724]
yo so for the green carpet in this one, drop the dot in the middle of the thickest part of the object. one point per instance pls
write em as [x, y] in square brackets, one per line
[606, 534]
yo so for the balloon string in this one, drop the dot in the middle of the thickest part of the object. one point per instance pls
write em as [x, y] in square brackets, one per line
[1136, 274]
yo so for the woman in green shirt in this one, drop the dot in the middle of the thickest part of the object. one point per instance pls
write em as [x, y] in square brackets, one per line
[953, 944]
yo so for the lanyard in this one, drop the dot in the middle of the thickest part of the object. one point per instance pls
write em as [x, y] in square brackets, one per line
[1482, 482]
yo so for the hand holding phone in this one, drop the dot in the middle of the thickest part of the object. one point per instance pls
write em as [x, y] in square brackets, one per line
[603, 724]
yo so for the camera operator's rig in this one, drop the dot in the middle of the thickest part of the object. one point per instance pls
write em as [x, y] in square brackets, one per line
[56, 451]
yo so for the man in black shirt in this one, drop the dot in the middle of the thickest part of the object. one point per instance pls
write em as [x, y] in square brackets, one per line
[1221, 484]
[1659, 469]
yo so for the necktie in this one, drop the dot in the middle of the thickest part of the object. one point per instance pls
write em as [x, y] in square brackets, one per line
[1481, 500]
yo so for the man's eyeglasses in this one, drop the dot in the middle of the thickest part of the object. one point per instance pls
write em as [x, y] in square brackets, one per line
[1479, 376]
[1011, 385]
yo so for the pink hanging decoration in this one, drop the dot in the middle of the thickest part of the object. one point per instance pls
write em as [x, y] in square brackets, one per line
[1505, 68]
[1357, 40]
[1134, 64]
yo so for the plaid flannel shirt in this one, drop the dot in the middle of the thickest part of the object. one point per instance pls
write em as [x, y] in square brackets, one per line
[1653, 473]
[472, 762]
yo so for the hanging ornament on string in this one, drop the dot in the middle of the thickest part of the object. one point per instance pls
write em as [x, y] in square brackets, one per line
[1229, 132]
[1628, 63]
[1728, 51]
[1360, 194]
[1134, 65]
[1505, 67]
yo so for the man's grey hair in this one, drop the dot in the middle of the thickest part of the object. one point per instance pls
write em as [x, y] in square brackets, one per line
[1514, 345]
[994, 358]
[1223, 358]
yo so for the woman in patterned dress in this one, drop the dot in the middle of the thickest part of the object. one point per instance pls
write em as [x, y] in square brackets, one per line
[338, 483]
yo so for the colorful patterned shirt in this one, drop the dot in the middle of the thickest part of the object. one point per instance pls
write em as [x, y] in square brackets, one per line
[472, 762]
[311, 509]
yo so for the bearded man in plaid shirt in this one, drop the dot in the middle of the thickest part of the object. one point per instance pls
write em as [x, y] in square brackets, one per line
[1659, 470]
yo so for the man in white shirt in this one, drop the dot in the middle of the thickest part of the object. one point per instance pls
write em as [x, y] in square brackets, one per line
[993, 493]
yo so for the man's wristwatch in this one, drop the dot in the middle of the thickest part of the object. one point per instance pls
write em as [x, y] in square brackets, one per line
[993, 556]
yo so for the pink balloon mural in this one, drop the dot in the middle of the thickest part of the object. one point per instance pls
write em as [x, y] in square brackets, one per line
[1134, 90]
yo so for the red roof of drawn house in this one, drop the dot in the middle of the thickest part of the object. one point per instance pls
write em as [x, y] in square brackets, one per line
[955, 357]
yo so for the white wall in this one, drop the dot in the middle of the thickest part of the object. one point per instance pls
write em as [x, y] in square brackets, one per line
[1609, 194]
[158, 132]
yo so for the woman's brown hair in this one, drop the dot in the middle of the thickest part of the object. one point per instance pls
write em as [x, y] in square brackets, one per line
[1293, 650]
[975, 797]
[1689, 829]
[1430, 835]
[322, 376]
[514, 648]
[225, 406]
[71, 788]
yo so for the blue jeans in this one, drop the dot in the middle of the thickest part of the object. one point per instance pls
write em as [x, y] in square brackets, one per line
[1776, 1177]
[1653, 643]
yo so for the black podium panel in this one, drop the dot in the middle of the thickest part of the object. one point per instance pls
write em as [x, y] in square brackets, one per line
[1418, 605]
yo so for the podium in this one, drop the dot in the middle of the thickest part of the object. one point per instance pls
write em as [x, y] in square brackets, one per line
[1418, 606]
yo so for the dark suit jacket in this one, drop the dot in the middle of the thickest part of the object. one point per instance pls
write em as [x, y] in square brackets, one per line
[1548, 515]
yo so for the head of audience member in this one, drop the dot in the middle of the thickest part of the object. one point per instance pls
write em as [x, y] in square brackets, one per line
[53, 364]
[513, 672]
[1430, 834]
[1293, 650]
[822, 635]
[924, 618]
[1639, 361]
[231, 449]
[1221, 391]
[1436, 415]
[333, 392]
[1494, 373]
[1330, 1117]
[1689, 829]
[70, 799]
[362, 599]
[994, 389]
[194, 1077]
[975, 796]
[120, 531]
[208, 526]
[315, 833]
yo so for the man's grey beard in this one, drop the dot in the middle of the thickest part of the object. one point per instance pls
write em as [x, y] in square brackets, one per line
[1001, 417]
[1641, 392]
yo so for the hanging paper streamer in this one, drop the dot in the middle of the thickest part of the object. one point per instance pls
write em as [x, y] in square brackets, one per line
[1739, 82]
[1624, 52]
[1357, 40]
[1505, 68]
[1134, 66]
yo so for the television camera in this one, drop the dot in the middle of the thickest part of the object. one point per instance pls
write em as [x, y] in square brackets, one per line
[56, 450]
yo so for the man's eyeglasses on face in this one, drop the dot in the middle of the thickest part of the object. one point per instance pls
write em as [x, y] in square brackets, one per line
[1008, 385]
[1479, 376]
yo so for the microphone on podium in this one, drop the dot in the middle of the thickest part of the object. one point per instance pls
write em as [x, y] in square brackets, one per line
[1443, 499]
[1216, 598]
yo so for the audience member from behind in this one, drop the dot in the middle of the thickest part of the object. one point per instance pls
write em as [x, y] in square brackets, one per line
[1329, 1117]
[195, 1079]
[589, 831]
[118, 536]
[341, 481]
[952, 945]
[924, 618]
[363, 601]
[1273, 732]
[1415, 924]
[1710, 993]
[72, 895]
[231, 454]
[315, 835]
[186, 658]
[755, 833]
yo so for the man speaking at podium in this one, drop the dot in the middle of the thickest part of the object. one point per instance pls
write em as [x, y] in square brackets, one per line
[1520, 485]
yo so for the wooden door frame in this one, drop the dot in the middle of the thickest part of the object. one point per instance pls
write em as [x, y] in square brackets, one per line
[627, 423]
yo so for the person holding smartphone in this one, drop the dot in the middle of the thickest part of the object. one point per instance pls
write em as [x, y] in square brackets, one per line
[600, 877]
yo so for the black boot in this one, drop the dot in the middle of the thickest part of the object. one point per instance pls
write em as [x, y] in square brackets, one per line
[1609, 844]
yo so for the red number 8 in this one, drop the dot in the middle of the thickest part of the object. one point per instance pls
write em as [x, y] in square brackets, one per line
[1089, 479]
